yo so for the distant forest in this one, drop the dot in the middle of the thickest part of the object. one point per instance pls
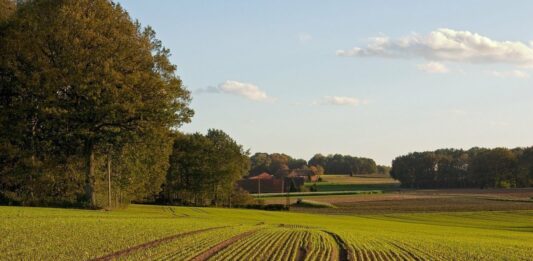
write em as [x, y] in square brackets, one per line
[319, 164]
[473, 168]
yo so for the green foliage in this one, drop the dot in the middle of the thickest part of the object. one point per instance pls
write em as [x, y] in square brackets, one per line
[276, 163]
[477, 167]
[344, 164]
[90, 83]
[204, 169]
[381, 169]
[7, 8]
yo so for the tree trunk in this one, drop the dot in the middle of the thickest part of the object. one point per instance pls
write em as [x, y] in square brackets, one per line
[89, 174]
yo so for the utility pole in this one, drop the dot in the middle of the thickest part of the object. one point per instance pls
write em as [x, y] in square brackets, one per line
[288, 199]
[109, 179]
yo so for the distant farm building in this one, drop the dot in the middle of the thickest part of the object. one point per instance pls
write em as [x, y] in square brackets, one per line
[266, 183]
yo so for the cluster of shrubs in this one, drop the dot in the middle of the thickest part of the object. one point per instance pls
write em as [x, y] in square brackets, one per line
[271, 207]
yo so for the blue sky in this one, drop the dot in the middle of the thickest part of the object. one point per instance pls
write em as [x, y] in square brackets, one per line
[367, 78]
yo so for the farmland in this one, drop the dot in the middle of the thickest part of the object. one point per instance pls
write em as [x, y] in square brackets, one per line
[375, 182]
[182, 233]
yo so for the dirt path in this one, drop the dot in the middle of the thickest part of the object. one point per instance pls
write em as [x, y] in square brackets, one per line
[150, 244]
[343, 253]
[220, 246]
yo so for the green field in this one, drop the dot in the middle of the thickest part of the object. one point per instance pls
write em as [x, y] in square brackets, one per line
[53, 234]
[356, 183]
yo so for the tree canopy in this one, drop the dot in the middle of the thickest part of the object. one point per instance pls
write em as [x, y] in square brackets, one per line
[344, 164]
[477, 167]
[89, 82]
[204, 169]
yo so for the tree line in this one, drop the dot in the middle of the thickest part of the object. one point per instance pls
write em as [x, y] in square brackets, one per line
[344, 164]
[319, 164]
[204, 169]
[473, 168]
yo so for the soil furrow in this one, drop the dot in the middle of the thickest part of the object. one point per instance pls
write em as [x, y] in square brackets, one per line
[220, 246]
[150, 244]
[344, 252]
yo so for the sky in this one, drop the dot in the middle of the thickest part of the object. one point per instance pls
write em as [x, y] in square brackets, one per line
[373, 79]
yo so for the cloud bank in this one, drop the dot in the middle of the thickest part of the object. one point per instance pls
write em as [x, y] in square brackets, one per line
[447, 45]
[247, 90]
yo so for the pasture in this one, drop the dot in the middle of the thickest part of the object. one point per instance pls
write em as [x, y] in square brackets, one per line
[182, 233]
[355, 183]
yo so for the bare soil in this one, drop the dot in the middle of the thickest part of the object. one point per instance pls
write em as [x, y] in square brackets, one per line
[343, 252]
[427, 201]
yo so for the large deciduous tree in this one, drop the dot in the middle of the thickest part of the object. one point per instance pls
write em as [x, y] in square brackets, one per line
[82, 77]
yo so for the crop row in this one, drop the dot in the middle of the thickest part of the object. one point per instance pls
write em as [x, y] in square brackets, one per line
[276, 243]
[189, 246]
[58, 234]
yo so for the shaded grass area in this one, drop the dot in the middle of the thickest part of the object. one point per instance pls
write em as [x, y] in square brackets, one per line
[359, 179]
[306, 203]
[314, 194]
[324, 187]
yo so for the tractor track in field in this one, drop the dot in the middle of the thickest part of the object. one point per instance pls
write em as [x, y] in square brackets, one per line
[221, 246]
[150, 244]
[301, 254]
[406, 251]
[343, 253]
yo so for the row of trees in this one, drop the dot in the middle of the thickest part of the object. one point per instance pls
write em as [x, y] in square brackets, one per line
[204, 169]
[476, 167]
[273, 163]
[87, 96]
[344, 164]
[320, 164]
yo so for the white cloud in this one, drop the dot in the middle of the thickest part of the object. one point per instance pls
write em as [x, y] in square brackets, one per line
[304, 38]
[246, 90]
[341, 101]
[510, 74]
[447, 45]
[433, 67]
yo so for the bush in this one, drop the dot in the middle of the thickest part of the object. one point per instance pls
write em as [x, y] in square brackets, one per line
[270, 207]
